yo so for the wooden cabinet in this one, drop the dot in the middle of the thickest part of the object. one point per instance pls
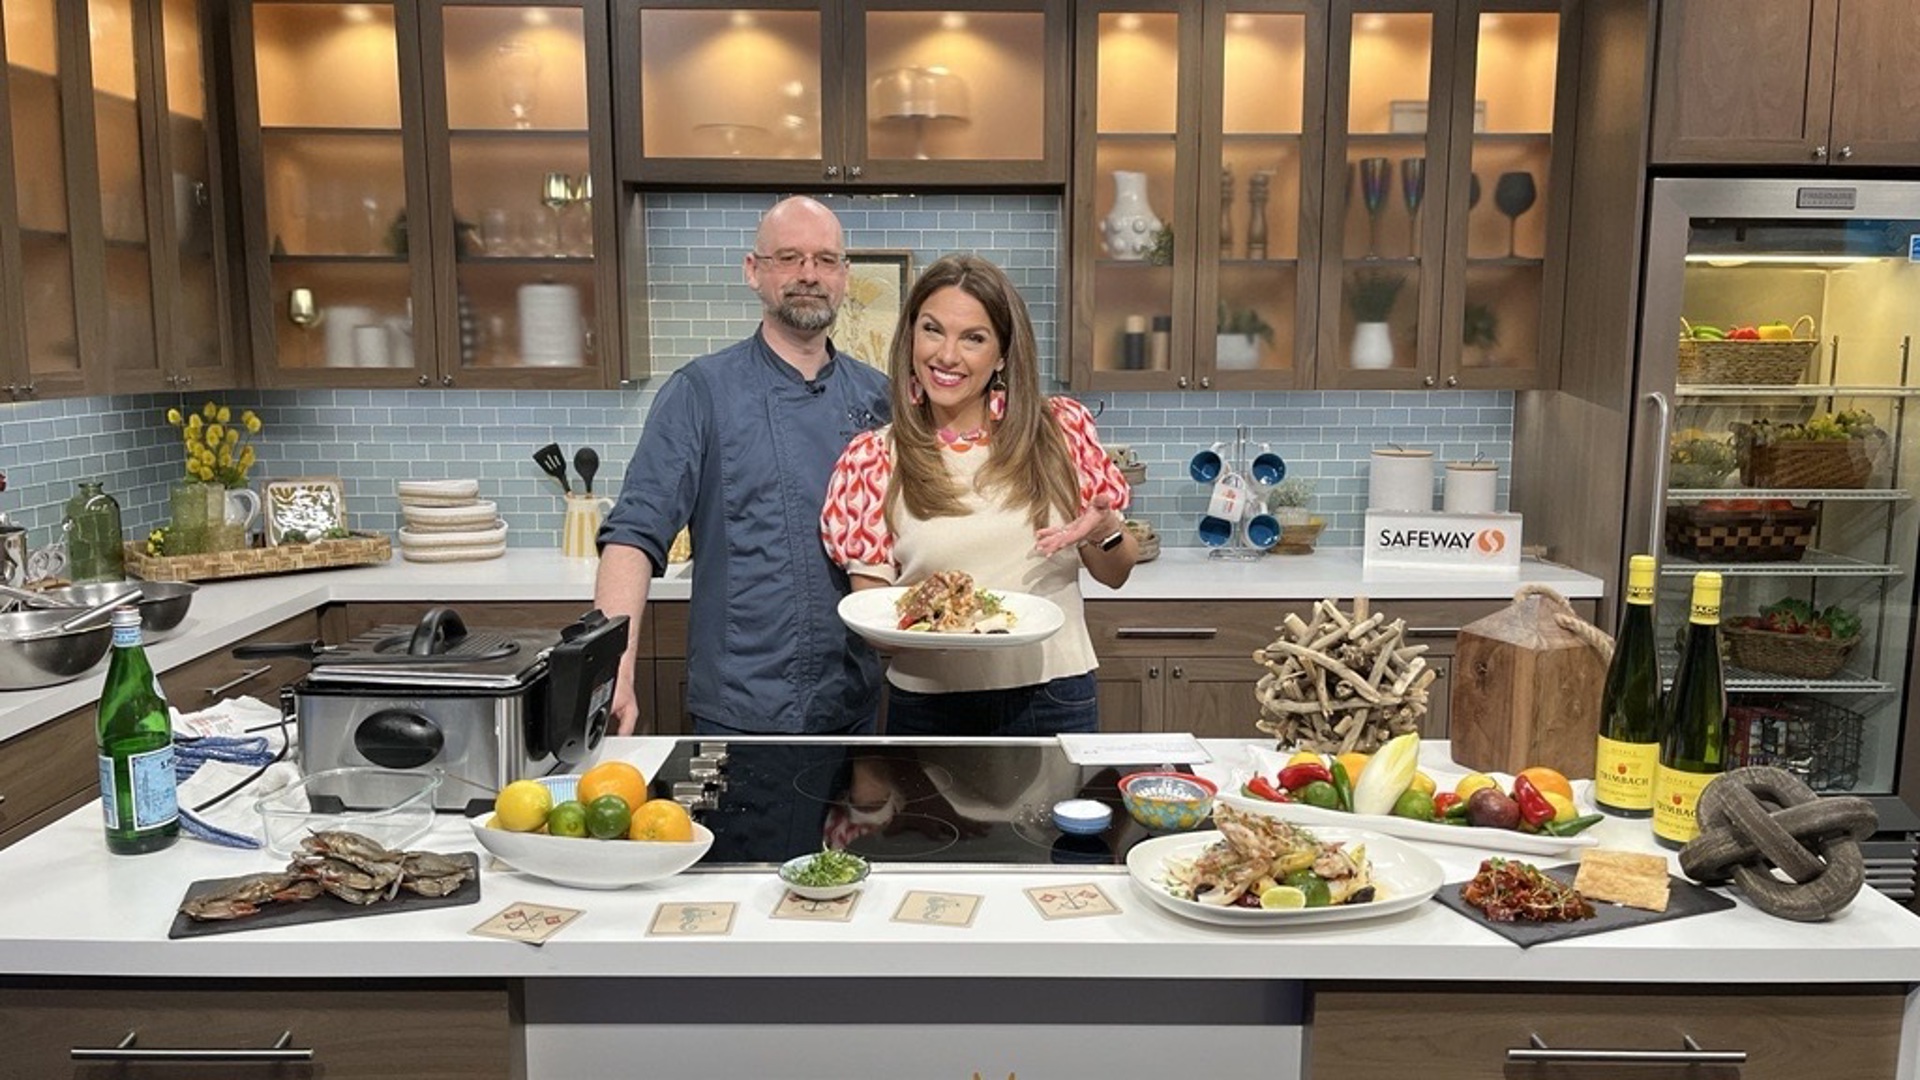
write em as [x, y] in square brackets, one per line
[260, 1029]
[418, 185]
[859, 93]
[1462, 1031]
[1806, 82]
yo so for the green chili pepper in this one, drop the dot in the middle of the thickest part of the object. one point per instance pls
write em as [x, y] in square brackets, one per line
[1342, 786]
[1573, 826]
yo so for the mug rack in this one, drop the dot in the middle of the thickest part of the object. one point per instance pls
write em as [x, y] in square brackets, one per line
[1238, 533]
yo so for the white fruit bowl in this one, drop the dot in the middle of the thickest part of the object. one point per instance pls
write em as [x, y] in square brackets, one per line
[585, 863]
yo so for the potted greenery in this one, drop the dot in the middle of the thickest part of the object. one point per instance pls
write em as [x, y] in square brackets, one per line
[1287, 500]
[1479, 330]
[1240, 331]
[1372, 296]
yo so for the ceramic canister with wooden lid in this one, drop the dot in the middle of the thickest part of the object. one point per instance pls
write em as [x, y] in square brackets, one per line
[1400, 479]
[1469, 487]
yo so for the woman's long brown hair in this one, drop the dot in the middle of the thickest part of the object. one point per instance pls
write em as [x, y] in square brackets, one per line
[1028, 457]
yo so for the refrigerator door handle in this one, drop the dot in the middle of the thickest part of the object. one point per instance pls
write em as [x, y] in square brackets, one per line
[1663, 429]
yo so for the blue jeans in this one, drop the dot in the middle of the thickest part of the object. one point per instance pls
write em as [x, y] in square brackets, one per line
[1065, 704]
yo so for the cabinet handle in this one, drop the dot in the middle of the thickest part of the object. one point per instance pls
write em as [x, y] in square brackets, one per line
[1179, 672]
[31, 389]
[424, 381]
[1820, 152]
[1182, 382]
[446, 380]
[281, 1050]
[1537, 1050]
[1427, 381]
[1846, 152]
[833, 172]
[1206, 382]
[1453, 380]
[1153, 671]
[1154, 633]
[854, 171]
[216, 691]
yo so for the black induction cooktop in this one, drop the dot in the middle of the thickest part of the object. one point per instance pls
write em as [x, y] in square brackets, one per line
[973, 804]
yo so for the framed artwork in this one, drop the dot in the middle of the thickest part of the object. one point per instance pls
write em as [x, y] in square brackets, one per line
[877, 284]
[304, 509]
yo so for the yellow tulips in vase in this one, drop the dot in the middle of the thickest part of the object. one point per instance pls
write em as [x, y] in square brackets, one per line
[212, 508]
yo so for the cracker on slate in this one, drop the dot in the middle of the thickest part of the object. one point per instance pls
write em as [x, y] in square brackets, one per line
[1623, 877]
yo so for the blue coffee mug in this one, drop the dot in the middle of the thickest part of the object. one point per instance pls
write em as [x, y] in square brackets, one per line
[1263, 530]
[1206, 465]
[1269, 468]
[1214, 531]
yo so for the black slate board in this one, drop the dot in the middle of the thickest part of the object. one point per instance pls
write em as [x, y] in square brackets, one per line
[1684, 898]
[322, 908]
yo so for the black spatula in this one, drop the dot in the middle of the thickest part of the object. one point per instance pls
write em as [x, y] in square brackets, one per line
[550, 459]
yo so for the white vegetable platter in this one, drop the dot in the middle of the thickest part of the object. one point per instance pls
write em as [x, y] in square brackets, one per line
[1404, 876]
[870, 613]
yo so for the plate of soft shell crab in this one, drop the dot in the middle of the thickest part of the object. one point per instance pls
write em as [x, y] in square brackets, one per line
[343, 865]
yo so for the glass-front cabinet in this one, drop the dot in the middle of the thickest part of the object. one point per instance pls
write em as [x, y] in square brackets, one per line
[39, 356]
[821, 92]
[1195, 209]
[420, 197]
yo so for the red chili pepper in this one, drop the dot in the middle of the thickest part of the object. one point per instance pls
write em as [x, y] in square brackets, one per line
[1442, 801]
[1534, 807]
[1295, 777]
[1263, 788]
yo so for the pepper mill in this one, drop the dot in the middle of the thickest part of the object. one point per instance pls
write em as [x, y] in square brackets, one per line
[1257, 214]
[1226, 211]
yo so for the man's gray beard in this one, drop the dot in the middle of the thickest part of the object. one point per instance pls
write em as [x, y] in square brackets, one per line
[806, 319]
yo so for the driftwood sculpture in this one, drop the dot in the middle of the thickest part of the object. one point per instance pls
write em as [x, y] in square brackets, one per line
[1341, 682]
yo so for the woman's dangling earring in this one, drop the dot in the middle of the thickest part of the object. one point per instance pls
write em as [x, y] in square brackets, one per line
[915, 392]
[997, 396]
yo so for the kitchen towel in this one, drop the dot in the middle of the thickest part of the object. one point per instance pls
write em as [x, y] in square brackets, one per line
[222, 793]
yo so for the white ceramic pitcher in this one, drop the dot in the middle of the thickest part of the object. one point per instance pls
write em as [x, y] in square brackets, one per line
[583, 524]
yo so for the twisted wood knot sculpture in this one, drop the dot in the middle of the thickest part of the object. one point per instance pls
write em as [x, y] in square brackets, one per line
[1757, 819]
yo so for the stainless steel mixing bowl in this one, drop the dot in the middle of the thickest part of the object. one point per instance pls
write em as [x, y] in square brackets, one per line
[27, 661]
[162, 603]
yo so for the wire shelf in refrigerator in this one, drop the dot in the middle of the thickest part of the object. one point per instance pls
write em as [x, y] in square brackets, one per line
[1692, 495]
[1815, 563]
[1694, 391]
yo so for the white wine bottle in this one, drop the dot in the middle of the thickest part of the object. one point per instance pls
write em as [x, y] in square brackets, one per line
[138, 794]
[1629, 746]
[1693, 749]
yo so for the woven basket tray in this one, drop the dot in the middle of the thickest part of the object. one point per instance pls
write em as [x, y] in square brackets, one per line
[1844, 463]
[1801, 656]
[1740, 535]
[1768, 363]
[359, 549]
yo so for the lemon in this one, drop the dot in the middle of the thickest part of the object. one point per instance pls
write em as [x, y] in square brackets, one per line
[1304, 757]
[522, 806]
[1283, 898]
[1563, 808]
[1473, 782]
[1422, 783]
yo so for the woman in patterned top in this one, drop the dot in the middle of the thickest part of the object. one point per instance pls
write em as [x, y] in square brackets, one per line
[980, 472]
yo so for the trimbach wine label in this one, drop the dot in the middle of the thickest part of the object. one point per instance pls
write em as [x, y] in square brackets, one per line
[1472, 543]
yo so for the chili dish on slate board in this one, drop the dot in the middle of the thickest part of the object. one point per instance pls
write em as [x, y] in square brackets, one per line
[1684, 898]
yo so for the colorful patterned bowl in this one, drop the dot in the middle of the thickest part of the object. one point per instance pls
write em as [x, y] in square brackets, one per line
[1167, 801]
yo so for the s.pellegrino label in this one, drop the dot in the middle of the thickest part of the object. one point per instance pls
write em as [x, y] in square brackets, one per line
[139, 800]
[1693, 749]
[1629, 745]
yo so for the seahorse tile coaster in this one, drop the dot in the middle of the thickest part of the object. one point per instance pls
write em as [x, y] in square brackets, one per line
[531, 923]
[799, 907]
[938, 908]
[1077, 901]
[693, 919]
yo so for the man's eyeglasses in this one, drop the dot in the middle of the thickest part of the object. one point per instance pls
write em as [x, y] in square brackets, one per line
[826, 262]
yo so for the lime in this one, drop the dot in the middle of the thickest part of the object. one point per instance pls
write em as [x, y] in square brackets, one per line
[1312, 886]
[1413, 805]
[568, 819]
[1320, 794]
[608, 817]
[522, 806]
[1283, 898]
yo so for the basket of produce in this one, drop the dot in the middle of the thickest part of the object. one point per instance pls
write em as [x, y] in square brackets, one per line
[1813, 739]
[1770, 354]
[1789, 637]
[1740, 530]
[1698, 460]
[1832, 450]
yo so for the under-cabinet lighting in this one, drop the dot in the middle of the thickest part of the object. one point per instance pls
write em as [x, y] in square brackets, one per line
[1810, 259]
[953, 20]
[1128, 21]
[742, 20]
[1371, 24]
[357, 13]
[1240, 22]
[537, 16]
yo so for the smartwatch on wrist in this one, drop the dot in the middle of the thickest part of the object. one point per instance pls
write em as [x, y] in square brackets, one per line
[1108, 542]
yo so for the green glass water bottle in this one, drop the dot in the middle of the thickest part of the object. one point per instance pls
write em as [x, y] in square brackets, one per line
[93, 536]
[139, 796]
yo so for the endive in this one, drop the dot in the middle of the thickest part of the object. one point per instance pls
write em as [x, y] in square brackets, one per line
[1388, 773]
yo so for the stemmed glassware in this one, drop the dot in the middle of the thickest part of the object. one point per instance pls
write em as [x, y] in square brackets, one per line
[556, 194]
[1513, 195]
[1375, 175]
[1413, 188]
[516, 64]
[583, 226]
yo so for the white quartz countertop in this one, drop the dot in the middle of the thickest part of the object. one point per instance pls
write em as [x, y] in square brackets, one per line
[224, 612]
[70, 908]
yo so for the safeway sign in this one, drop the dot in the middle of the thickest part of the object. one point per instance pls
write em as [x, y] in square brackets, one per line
[1461, 543]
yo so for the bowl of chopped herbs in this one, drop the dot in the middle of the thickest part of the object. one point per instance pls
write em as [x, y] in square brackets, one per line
[825, 875]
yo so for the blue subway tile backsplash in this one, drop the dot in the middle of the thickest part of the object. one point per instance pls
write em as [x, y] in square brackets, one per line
[698, 301]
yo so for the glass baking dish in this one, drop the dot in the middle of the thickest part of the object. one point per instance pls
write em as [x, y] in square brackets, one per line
[391, 807]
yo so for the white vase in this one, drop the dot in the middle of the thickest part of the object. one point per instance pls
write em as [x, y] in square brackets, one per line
[1131, 226]
[1236, 352]
[1372, 347]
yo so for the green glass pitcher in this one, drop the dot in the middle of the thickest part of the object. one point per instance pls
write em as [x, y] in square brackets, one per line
[92, 526]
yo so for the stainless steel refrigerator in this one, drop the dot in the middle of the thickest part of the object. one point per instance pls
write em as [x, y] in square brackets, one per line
[1789, 462]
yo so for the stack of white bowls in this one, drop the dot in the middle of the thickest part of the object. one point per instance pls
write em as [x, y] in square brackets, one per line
[447, 521]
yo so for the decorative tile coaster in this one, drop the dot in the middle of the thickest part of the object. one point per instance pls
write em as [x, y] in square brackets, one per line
[939, 908]
[712, 920]
[1076, 901]
[799, 907]
[531, 923]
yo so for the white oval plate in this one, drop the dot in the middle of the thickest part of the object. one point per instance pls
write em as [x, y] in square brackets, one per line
[1403, 878]
[437, 489]
[870, 613]
[1408, 829]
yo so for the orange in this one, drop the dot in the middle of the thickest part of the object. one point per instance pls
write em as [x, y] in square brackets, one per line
[661, 819]
[613, 778]
[1354, 762]
[1549, 781]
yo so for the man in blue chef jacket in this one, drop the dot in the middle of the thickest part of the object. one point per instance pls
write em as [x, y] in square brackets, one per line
[738, 447]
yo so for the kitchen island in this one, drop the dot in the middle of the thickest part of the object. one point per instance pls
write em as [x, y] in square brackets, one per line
[1423, 992]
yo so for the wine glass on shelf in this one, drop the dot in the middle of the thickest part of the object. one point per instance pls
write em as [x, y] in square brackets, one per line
[516, 65]
[1375, 174]
[583, 218]
[1413, 188]
[556, 194]
[1513, 195]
